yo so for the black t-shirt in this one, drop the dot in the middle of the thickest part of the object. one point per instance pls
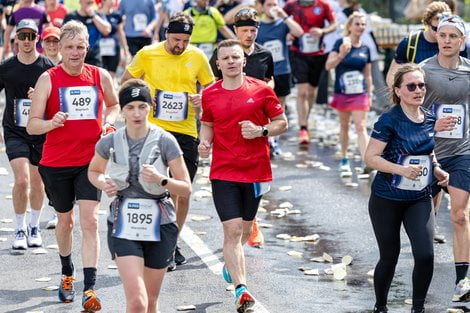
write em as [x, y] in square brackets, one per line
[93, 56]
[259, 64]
[16, 78]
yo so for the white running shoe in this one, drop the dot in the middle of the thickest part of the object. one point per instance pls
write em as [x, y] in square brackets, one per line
[52, 223]
[462, 291]
[20, 240]
[34, 236]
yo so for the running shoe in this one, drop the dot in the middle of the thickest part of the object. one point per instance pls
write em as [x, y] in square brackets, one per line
[274, 146]
[244, 300]
[304, 138]
[226, 274]
[66, 289]
[34, 236]
[380, 309]
[417, 310]
[462, 291]
[172, 265]
[20, 242]
[52, 223]
[438, 236]
[344, 165]
[90, 301]
[179, 258]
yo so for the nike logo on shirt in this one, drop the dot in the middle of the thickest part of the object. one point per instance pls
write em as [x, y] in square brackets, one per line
[452, 78]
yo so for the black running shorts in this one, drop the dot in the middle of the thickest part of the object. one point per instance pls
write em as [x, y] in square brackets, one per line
[190, 154]
[234, 200]
[156, 254]
[307, 69]
[19, 147]
[64, 185]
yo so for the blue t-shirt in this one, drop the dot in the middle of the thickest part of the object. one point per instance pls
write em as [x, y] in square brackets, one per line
[139, 14]
[404, 138]
[272, 36]
[424, 50]
[355, 61]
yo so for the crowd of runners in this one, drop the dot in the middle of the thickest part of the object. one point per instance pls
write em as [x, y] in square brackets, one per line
[209, 79]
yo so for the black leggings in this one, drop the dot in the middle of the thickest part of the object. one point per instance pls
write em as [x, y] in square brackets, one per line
[418, 220]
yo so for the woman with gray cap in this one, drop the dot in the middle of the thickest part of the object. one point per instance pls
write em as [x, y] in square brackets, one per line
[132, 166]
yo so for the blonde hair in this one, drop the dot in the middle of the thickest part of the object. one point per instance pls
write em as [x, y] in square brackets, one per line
[72, 29]
[349, 22]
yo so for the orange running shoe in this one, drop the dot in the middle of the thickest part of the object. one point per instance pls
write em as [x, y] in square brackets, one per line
[256, 239]
[66, 289]
[90, 301]
[304, 138]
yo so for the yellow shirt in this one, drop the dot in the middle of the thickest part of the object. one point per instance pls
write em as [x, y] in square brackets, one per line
[172, 73]
[205, 25]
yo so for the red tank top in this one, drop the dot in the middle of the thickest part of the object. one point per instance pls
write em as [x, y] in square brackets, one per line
[82, 97]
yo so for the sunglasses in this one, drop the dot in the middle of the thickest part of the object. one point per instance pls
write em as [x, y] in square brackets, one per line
[412, 86]
[24, 36]
[434, 28]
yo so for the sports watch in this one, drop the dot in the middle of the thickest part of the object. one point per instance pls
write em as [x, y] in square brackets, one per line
[264, 131]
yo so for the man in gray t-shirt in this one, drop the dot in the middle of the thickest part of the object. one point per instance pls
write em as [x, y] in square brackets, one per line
[448, 93]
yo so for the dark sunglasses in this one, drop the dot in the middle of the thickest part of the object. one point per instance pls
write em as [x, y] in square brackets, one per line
[23, 36]
[434, 28]
[412, 86]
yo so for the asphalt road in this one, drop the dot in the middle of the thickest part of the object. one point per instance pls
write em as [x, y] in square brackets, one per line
[327, 207]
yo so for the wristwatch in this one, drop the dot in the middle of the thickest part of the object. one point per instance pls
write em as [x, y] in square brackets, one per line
[264, 131]
[164, 181]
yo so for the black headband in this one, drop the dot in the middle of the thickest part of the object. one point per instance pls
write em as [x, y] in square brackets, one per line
[248, 22]
[134, 94]
[176, 27]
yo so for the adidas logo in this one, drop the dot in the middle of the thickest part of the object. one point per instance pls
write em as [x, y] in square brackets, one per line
[250, 100]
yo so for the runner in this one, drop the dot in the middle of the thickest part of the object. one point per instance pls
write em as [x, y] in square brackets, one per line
[259, 64]
[353, 85]
[56, 12]
[180, 67]
[207, 22]
[308, 56]
[401, 190]
[70, 97]
[259, 61]
[17, 75]
[239, 112]
[140, 21]
[143, 152]
[447, 76]
[421, 44]
[112, 44]
[274, 27]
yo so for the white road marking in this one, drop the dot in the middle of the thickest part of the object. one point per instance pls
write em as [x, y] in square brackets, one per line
[209, 258]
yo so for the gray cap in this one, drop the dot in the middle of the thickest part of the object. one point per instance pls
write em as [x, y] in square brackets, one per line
[27, 24]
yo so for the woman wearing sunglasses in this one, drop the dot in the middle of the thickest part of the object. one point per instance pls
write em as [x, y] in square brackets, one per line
[353, 84]
[401, 148]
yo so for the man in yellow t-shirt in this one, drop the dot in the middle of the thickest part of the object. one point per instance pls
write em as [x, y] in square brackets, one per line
[208, 20]
[173, 68]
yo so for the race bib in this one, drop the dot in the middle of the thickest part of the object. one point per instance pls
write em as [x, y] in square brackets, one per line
[107, 47]
[457, 110]
[352, 82]
[207, 48]
[261, 188]
[140, 22]
[81, 103]
[276, 49]
[423, 179]
[309, 44]
[138, 219]
[171, 106]
[22, 107]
